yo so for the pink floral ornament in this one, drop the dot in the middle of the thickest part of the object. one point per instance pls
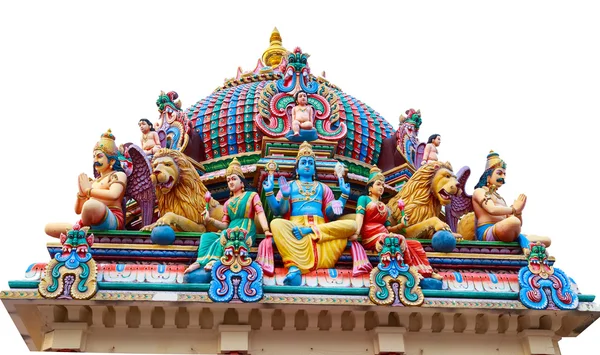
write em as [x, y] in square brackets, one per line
[401, 204]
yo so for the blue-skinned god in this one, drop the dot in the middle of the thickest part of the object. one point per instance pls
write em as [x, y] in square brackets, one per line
[310, 236]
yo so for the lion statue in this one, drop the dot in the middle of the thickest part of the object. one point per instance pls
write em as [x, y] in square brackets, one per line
[180, 193]
[424, 194]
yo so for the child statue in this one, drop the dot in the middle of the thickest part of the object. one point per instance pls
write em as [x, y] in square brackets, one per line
[430, 153]
[150, 140]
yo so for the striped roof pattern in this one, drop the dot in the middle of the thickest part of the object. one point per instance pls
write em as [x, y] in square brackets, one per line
[224, 122]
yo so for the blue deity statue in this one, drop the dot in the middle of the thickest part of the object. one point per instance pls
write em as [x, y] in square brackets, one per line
[311, 236]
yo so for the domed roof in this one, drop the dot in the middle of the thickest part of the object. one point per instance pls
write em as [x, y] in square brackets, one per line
[235, 117]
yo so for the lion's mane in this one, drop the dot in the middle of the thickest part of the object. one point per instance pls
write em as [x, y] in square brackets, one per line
[186, 198]
[418, 196]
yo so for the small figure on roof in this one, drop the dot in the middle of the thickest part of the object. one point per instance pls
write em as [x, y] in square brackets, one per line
[301, 114]
[302, 120]
[430, 153]
[150, 140]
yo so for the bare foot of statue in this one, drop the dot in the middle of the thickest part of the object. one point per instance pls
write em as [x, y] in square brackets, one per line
[300, 232]
[192, 267]
[293, 277]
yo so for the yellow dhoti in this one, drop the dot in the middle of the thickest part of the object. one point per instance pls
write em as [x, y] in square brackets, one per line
[319, 250]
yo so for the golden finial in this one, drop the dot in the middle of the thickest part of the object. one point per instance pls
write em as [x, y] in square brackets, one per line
[235, 168]
[272, 56]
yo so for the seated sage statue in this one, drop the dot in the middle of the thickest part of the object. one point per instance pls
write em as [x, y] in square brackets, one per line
[99, 201]
[309, 237]
[495, 219]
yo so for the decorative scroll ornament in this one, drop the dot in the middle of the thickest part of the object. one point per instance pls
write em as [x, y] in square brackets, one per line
[392, 270]
[543, 286]
[236, 276]
[407, 136]
[277, 100]
[173, 128]
[72, 272]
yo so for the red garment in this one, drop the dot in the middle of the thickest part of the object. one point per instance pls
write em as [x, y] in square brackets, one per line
[373, 231]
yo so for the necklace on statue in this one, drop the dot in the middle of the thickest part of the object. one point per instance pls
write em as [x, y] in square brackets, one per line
[308, 189]
[145, 138]
[234, 203]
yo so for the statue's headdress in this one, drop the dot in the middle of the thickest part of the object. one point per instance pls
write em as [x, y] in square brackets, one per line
[375, 174]
[494, 161]
[235, 168]
[107, 144]
[305, 151]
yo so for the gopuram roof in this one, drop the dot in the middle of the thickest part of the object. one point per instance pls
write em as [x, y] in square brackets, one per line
[280, 213]
[235, 117]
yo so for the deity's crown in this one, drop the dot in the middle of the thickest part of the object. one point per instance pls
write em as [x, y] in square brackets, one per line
[494, 161]
[234, 168]
[305, 151]
[375, 174]
[107, 144]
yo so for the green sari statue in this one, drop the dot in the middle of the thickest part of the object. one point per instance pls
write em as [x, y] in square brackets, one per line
[239, 211]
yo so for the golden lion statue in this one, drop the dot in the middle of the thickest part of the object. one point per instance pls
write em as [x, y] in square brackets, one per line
[180, 193]
[424, 194]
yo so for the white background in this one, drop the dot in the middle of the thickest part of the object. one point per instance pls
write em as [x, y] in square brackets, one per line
[519, 77]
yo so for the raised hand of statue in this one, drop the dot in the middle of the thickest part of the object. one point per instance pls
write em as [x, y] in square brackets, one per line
[404, 221]
[205, 217]
[337, 207]
[84, 183]
[344, 188]
[268, 184]
[284, 187]
[519, 204]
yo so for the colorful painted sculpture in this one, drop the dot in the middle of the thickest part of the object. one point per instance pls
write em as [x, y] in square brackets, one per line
[310, 237]
[407, 140]
[373, 222]
[72, 272]
[424, 194]
[99, 201]
[276, 106]
[543, 286]
[180, 193]
[238, 212]
[430, 153]
[392, 279]
[495, 219]
[235, 275]
[173, 124]
[150, 141]
[302, 116]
